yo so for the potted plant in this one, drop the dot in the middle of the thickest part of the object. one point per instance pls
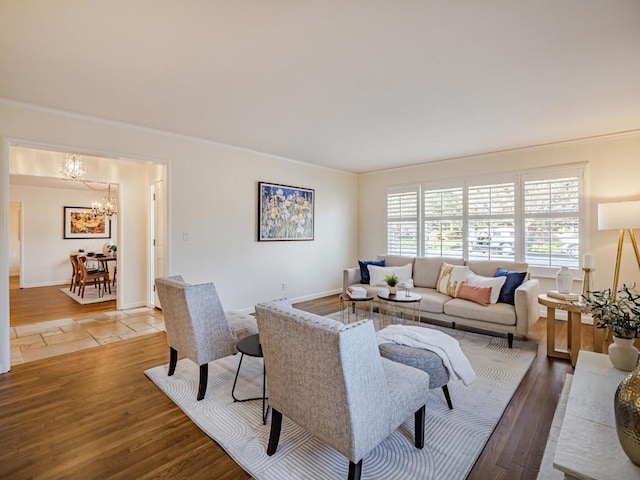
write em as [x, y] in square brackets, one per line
[392, 282]
[618, 312]
[113, 248]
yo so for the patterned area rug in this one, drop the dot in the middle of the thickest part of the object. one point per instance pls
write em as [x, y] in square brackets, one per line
[91, 295]
[453, 438]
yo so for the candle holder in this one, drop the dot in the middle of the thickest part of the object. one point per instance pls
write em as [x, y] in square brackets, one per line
[586, 283]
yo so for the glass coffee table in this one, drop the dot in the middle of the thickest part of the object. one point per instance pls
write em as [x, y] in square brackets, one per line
[351, 306]
[397, 307]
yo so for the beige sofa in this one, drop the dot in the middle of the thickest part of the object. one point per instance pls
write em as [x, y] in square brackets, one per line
[499, 317]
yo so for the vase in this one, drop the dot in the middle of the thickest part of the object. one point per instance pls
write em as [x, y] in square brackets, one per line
[392, 290]
[564, 280]
[627, 412]
[622, 353]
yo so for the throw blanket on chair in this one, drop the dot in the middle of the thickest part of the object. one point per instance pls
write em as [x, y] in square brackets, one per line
[445, 346]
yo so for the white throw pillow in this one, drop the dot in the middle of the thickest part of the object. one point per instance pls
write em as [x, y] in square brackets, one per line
[495, 283]
[450, 278]
[377, 274]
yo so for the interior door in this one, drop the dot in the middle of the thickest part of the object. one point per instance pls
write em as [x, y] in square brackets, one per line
[159, 242]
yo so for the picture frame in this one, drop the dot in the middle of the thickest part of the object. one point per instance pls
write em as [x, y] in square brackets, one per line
[80, 222]
[285, 213]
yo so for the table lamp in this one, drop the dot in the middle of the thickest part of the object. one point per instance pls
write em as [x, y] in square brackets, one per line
[620, 216]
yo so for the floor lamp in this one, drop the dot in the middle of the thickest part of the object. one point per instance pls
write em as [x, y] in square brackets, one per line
[623, 216]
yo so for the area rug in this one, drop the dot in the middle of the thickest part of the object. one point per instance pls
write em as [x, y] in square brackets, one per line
[91, 295]
[453, 438]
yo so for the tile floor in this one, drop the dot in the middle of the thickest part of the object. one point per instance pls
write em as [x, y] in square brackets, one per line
[57, 337]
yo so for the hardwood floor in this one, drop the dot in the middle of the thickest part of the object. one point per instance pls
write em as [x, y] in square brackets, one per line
[54, 304]
[93, 414]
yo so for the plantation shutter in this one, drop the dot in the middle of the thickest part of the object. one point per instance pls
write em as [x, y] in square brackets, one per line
[443, 222]
[552, 221]
[491, 221]
[402, 221]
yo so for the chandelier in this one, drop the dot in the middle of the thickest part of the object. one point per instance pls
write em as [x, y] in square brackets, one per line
[73, 168]
[108, 206]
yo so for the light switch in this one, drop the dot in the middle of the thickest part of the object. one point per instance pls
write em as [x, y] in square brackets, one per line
[185, 236]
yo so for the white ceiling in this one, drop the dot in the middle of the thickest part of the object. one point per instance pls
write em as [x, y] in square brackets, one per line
[358, 85]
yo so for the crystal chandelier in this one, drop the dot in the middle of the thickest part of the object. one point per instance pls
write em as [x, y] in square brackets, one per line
[108, 206]
[73, 168]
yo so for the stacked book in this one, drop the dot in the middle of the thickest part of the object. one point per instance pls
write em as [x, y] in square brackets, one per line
[356, 292]
[568, 297]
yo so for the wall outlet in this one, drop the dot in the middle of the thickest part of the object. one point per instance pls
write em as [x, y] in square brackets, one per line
[284, 286]
[185, 236]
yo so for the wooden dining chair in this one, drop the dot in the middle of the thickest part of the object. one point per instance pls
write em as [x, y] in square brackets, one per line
[75, 272]
[99, 278]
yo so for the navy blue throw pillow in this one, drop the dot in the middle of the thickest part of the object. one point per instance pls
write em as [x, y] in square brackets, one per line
[508, 291]
[364, 271]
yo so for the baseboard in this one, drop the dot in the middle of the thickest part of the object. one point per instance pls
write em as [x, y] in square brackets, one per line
[45, 284]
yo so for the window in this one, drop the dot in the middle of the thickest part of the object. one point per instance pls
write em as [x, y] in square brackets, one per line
[443, 220]
[532, 217]
[491, 214]
[552, 222]
[402, 221]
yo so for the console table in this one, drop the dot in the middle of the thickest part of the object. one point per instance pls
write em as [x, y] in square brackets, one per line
[588, 447]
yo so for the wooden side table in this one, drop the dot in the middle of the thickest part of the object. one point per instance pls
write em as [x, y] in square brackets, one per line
[574, 329]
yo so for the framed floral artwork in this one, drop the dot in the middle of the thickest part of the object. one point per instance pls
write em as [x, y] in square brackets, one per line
[285, 212]
[80, 222]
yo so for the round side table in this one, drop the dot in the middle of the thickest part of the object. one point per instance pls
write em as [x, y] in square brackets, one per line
[352, 305]
[251, 346]
[400, 303]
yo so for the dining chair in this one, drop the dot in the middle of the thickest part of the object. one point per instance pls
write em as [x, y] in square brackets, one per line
[99, 278]
[75, 272]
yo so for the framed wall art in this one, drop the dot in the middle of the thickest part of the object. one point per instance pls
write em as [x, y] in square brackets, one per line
[79, 222]
[285, 212]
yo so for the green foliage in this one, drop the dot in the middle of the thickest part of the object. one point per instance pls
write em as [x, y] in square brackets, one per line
[391, 280]
[619, 311]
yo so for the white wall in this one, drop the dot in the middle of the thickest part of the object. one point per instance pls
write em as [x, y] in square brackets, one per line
[211, 195]
[612, 174]
[46, 253]
[14, 239]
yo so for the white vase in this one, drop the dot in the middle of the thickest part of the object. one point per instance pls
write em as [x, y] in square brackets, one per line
[392, 290]
[564, 280]
[622, 353]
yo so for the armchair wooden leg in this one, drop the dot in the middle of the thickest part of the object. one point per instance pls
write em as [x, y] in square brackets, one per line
[173, 360]
[274, 436]
[419, 419]
[355, 469]
[510, 339]
[447, 396]
[204, 377]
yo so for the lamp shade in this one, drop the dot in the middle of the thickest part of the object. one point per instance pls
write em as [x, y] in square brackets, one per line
[619, 215]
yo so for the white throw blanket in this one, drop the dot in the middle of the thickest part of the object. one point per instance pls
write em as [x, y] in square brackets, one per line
[445, 346]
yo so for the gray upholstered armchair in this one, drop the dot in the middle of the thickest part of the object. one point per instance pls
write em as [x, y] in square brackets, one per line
[330, 379]
[197, 326]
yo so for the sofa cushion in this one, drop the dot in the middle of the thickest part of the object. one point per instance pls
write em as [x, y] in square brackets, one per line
[473, 293]
[514, 280]
[396, 260]
[501, 313]
[378, 274]
[495, 283]
[432, 301]
[427, 269]
[364, 271]
[487, 268]
[450, 278]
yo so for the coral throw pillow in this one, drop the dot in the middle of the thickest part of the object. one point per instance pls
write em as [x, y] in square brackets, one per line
[450, 278]
[481, 295]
